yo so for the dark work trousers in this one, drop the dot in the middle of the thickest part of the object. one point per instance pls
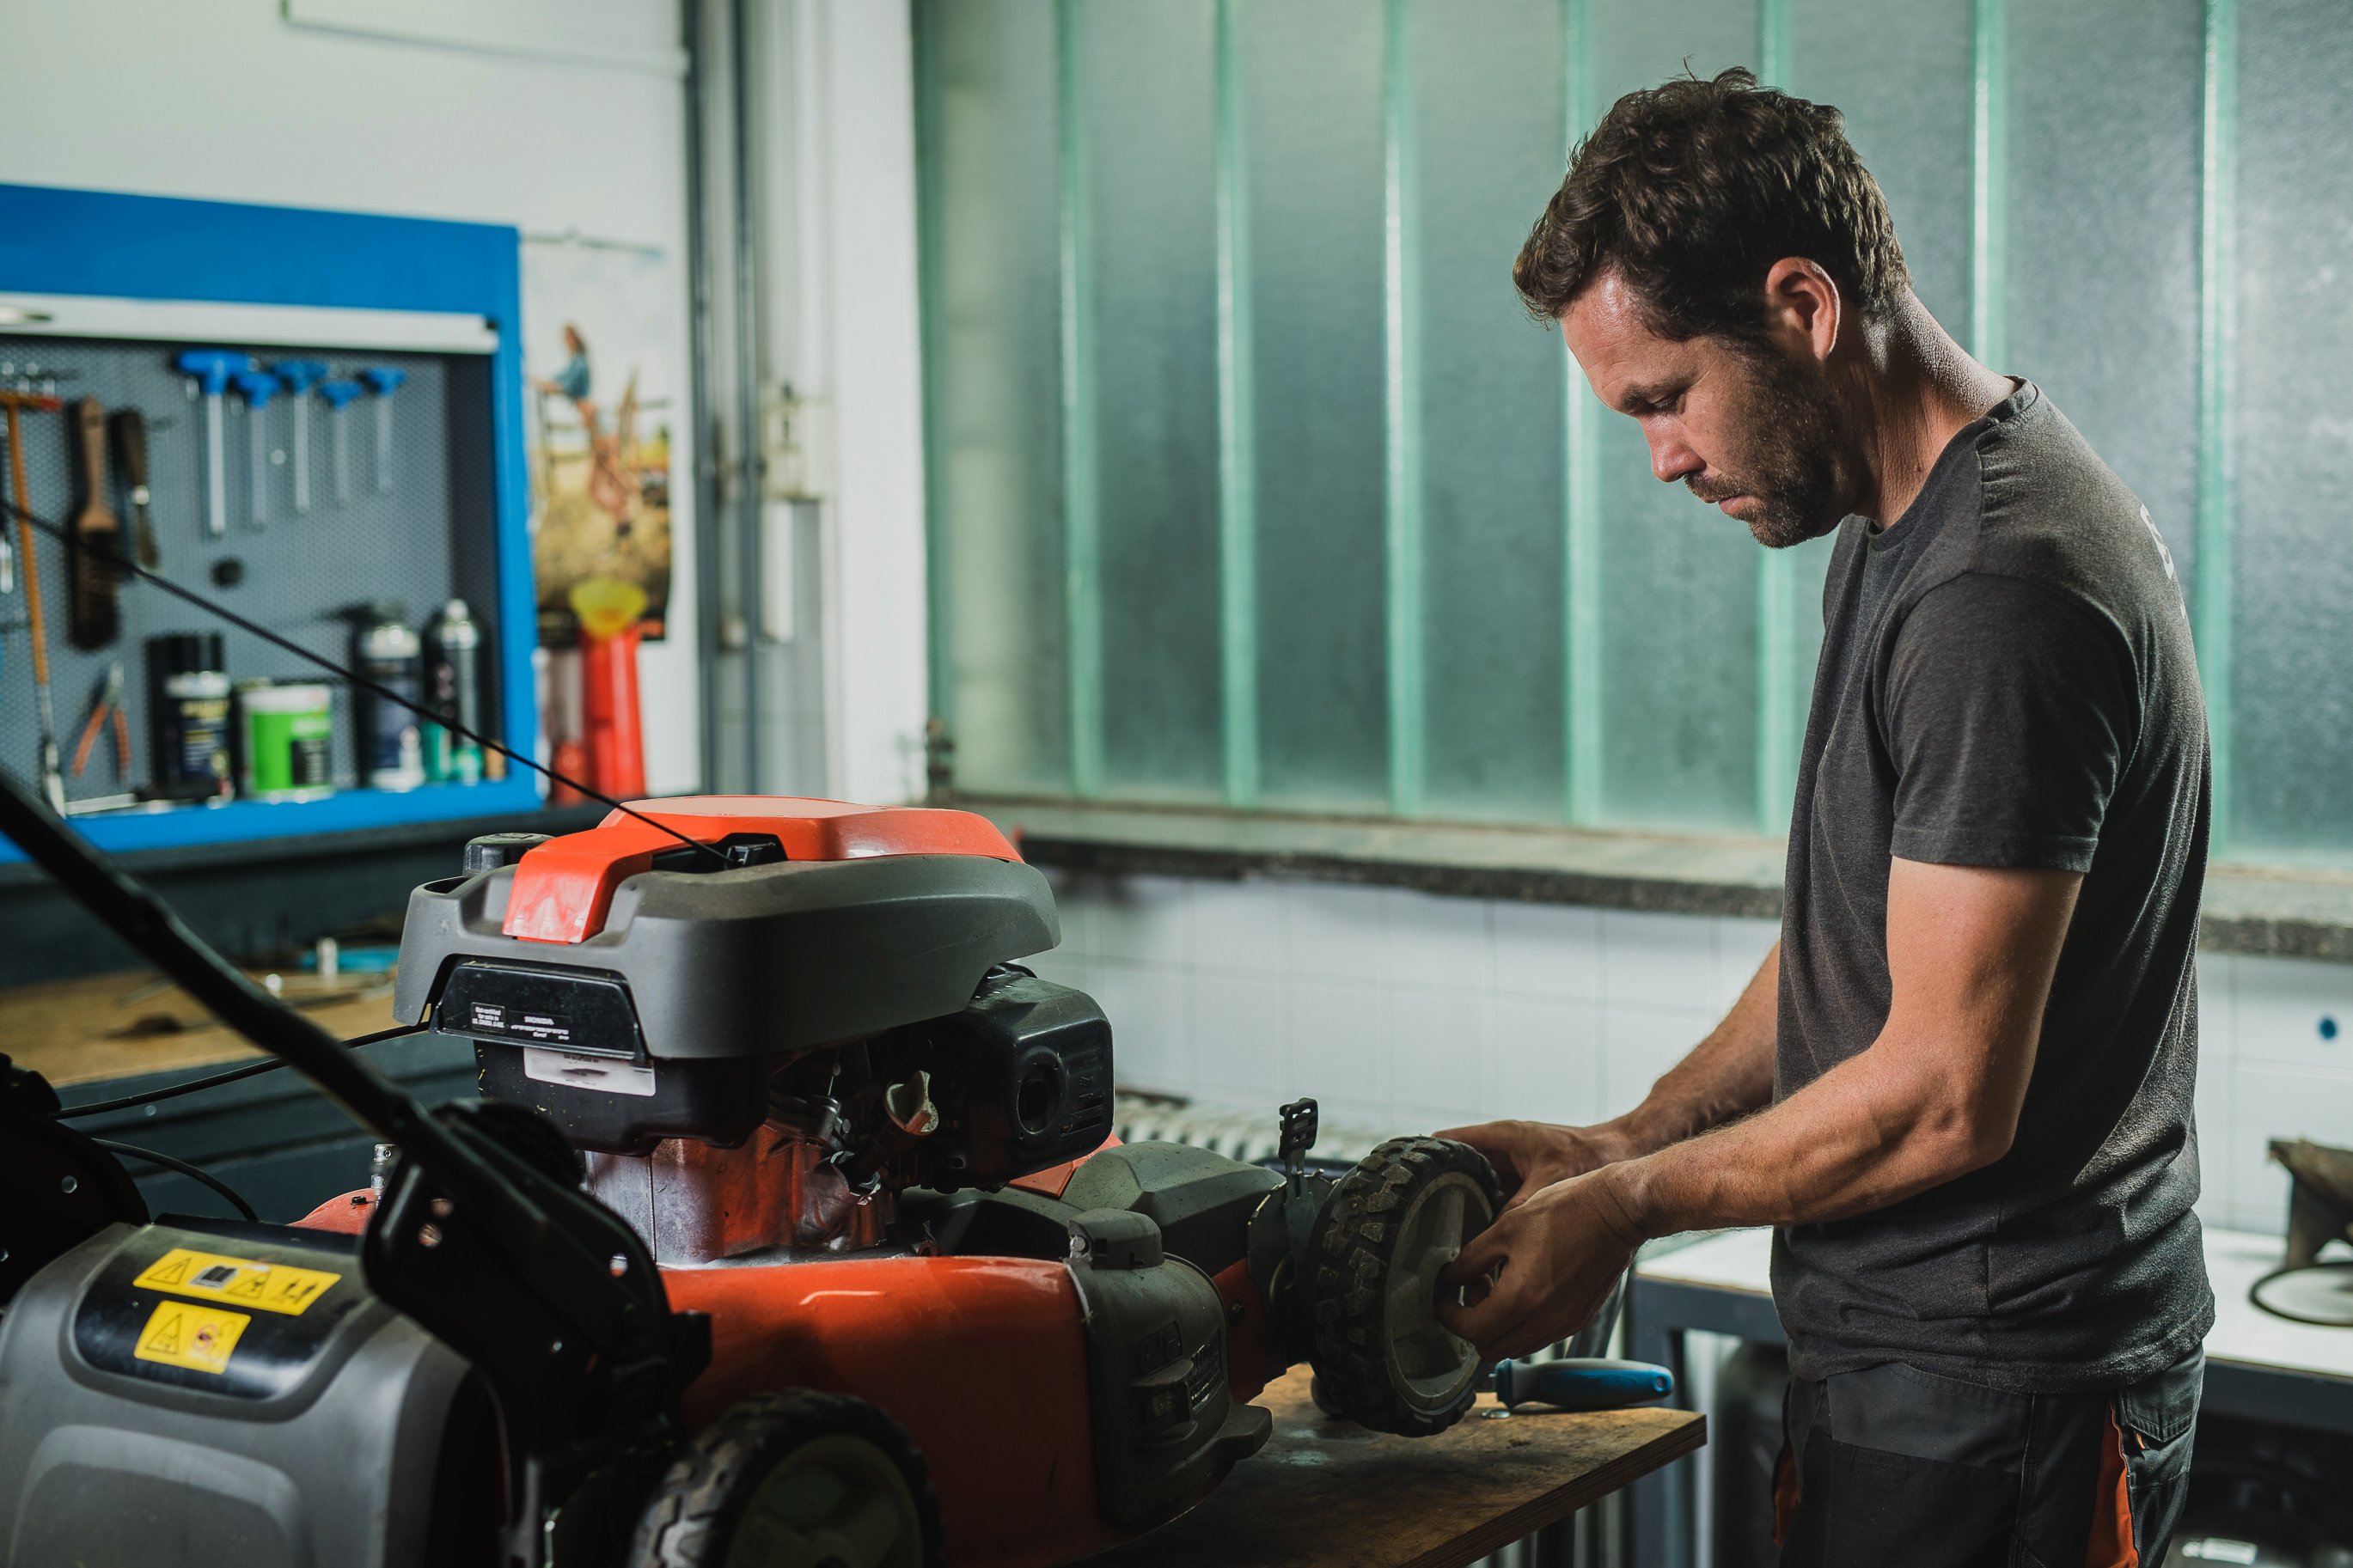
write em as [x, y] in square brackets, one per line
[1896, 1465]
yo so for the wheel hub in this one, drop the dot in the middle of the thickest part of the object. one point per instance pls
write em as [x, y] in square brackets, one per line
[834, 1502]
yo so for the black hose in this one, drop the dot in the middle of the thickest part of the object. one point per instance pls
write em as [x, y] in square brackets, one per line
[169, 1164]
[250, 1069]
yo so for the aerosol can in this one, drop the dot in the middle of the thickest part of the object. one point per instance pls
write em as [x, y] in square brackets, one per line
[392, 746]
[453, 647]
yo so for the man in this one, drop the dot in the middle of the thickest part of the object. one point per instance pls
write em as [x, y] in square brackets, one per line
[1960, 1085]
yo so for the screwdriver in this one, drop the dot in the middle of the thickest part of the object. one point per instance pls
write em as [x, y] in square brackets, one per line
[1581, 1383]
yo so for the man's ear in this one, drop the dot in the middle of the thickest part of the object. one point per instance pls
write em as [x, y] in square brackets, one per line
[1803, 305]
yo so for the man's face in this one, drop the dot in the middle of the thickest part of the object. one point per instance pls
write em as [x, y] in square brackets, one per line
[1754, 429]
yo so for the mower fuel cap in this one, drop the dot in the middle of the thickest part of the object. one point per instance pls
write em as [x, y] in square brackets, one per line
[1115, 1238]
[493, 850]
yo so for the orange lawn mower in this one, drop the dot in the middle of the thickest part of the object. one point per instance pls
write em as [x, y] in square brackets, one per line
[788, 1230]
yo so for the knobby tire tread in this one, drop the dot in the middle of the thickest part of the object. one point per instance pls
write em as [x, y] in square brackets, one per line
[1350, 1254]
[690, 1520]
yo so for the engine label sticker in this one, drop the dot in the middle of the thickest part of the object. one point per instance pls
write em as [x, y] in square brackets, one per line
[490, 1019]
[249, 1282]
[180, 1333]
[602, 1074]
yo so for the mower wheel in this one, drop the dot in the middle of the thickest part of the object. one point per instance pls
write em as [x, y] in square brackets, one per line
[1381, 1356]
[798, 1479]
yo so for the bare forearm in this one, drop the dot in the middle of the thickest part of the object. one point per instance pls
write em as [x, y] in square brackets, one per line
[1727, 1075]
[1857, 1139]
[1971, 952]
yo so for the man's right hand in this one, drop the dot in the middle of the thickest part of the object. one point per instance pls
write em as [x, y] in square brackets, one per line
[1529, 1156]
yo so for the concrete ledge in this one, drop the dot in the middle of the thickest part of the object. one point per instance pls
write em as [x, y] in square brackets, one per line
[1616, 870]
[2287, 912]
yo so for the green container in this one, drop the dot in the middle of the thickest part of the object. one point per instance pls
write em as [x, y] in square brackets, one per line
[288, 733]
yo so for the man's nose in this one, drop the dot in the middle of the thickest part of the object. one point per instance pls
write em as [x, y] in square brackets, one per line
[1671, 460]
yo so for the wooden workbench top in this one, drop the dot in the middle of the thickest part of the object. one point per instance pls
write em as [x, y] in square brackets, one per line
[132, 1022]
[1329, 1494]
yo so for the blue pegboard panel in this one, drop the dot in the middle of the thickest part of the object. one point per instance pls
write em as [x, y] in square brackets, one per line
[454, 521]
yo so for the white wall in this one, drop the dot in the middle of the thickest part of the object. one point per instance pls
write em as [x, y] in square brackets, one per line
[225, 99]
[1410, 1011]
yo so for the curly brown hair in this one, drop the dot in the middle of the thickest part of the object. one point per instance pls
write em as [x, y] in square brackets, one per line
[1693, 189]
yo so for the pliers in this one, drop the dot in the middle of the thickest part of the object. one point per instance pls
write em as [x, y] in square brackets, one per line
[109, 703]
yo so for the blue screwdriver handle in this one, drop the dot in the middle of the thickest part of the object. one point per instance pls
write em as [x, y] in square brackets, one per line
[1581, 1383]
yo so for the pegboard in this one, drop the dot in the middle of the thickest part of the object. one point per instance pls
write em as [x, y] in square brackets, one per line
[426, 540]
[101, 290]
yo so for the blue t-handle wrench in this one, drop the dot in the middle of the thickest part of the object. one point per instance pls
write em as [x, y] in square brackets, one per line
[383, 380]
[211, 369]
[299, 376]
[338, 393]
[257, 387]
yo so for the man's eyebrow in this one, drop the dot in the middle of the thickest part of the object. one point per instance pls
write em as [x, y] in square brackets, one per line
[1649, 393]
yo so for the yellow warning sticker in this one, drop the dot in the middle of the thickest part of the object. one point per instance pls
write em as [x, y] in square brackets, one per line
[181, 1333]
[271, 1287]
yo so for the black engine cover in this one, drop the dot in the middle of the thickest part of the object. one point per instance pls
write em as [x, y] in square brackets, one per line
[1022, 1078]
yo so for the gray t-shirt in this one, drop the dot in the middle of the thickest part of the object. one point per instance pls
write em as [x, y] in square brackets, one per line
[2007, 679]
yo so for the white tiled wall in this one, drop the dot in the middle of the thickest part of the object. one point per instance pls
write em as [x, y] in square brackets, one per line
[1412, 1011]
[2275, 1061]
[1392, 1007]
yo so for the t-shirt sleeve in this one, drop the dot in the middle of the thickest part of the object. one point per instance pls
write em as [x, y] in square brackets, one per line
[2010, 709]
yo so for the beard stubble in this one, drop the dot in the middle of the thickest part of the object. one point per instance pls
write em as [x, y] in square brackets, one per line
[1794, 462]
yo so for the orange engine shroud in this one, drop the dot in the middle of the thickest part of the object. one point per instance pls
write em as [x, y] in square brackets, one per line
[564, 887]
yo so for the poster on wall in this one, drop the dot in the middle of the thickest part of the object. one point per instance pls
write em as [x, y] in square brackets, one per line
[601, 392]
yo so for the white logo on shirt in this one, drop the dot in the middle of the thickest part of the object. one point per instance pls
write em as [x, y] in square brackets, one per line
[2163, 554]
[2159, 539]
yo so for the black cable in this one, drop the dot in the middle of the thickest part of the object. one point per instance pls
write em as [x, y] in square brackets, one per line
[129, 909]
[250, 1069]
[113, 561]
[183, 1168]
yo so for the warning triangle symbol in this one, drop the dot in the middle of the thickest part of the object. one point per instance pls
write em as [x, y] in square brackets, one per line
[171, 1273]
[166, 1339]
[250, 1289]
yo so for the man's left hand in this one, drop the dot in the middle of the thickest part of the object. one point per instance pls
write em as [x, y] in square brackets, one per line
[1543, 1269]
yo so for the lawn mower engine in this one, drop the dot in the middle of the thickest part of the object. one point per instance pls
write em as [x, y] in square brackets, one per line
[951, 1318]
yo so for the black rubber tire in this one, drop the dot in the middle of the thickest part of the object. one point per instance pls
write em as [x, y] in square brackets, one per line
[1351, 1254]
[694, 1516]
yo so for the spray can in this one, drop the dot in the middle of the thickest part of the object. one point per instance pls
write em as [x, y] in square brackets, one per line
[453, 649]
[187, 716]
[391, 742]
